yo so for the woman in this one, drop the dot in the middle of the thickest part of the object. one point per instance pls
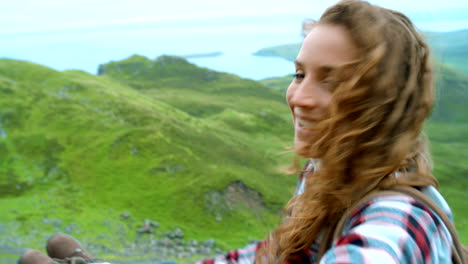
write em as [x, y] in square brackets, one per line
[361, 93]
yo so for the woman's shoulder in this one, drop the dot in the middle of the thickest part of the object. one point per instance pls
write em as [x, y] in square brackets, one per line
[395, 224]
[404, 205]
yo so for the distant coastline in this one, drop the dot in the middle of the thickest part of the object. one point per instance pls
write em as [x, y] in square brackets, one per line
[203, 55]
[449, 48]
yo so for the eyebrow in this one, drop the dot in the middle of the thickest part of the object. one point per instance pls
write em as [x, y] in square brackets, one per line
[323, 68]
[297, 63]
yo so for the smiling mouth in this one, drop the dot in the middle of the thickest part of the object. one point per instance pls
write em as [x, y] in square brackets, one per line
[306, 123]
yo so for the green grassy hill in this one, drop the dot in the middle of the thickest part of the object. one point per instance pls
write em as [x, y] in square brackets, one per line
[451, 90]
[160, 141]
[448, 146]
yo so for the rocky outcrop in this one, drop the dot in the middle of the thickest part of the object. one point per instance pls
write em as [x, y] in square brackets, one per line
[234, 196]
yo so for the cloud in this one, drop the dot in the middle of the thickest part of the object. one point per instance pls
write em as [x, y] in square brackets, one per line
[31, 17]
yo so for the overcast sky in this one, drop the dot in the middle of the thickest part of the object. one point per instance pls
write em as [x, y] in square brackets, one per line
[81, 34]
[27, 16]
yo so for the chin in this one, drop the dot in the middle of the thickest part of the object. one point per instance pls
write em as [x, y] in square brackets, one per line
[306, 148]
[302, 147]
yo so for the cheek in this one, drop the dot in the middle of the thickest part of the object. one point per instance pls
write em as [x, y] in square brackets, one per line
[327, 98]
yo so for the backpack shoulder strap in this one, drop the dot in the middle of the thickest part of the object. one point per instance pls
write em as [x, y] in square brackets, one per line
[458, 250]
[334, 232]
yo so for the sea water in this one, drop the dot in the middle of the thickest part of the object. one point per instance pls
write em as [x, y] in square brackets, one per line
[84, 49]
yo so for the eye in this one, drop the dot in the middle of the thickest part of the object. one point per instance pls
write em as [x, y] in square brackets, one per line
[298, 76]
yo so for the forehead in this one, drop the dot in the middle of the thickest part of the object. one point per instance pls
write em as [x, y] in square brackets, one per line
[327, 45]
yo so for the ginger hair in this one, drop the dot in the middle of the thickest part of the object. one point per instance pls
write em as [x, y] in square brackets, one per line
[374, 128]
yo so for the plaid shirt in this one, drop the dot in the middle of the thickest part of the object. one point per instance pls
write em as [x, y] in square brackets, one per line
[386, 229]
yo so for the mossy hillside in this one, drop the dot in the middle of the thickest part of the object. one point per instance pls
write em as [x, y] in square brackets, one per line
[241, 104]
[157, 138]
[448, 144]
[176, 72]
[451, 95]
[279, 84]
[85, 148]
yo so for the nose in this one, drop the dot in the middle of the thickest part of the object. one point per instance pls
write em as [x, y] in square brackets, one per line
[303, 94]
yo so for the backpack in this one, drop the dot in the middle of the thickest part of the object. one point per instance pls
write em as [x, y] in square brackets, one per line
[459, 251]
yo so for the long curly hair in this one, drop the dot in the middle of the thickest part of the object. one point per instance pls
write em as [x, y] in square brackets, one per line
[373, 137]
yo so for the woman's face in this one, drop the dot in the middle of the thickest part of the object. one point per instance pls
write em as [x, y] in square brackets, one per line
[309, 94]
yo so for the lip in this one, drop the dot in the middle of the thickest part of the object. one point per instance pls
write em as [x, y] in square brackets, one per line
[305, 119]
[300, 115]
[299, 126]
[301, 132]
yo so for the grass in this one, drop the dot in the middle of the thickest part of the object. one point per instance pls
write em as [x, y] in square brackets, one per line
[79, 150]
[448, 145]
[79, 145]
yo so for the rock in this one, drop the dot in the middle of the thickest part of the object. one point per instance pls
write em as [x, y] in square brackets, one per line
[52, 221]
[179, 248]
[192, 250]
[146, 228]
[219, 203]
[179, 242]
[193, 243]
[204, 251]
[71, 228]
[124, 215]
[134, 151]
[209, 243]
[167, 243]
[171, 251]
[154, 224]
[182, 255]
[252, 241]
[57, 223]
[177, 233]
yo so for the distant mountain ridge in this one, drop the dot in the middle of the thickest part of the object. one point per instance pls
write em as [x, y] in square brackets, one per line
[140, 72]
[449, 48]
